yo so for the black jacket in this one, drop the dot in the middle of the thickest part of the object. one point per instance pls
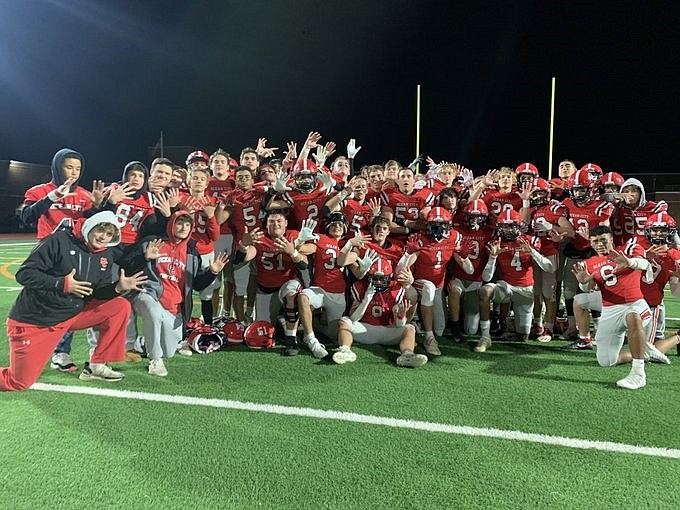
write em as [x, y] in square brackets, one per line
[42, 301]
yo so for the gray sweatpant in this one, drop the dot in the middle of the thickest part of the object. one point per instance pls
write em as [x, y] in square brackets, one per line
[162, 329]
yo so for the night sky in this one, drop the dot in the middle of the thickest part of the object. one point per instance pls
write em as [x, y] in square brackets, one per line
[105, 78]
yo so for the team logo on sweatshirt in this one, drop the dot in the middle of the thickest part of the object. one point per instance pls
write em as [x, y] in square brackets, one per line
[103, 262]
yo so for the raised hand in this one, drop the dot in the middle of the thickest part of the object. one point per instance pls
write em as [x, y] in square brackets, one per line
[584, 232]
[97, 196]
[405, 277]
[62, 191]
[359, 240]
[579, 271]
[320, 155]
[206, 205]
[264, 151]
[221, 260]
[352, 148]
[120, 193]
[307, 231]
[284, 245]
[418, 161]
[466, 174]
[326, 180]
[402, 308]
[133, 282]
[374, 204]
[330, 149]
[525, 191]
[252, 237]
[494, 248]
[77, 287]
[367, 261]
[291, 154]
[162, 204]
[153, 249]
[280, 185]
[173, 196]
[312, 140]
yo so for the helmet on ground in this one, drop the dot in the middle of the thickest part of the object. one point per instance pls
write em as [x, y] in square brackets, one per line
[475, 214]
[205, 339]
[232, 330]
[259, 335]
[660, 228]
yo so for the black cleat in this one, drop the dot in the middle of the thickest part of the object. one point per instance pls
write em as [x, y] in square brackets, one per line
[291, 349]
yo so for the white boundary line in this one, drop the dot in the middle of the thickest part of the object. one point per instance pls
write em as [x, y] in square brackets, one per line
[583, 444]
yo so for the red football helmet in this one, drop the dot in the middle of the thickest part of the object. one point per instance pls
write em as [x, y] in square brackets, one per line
[593, 169]
[438, 223]
[304, 174]
[540, 194]
[205, 339]
[475, 214]
[526, 172]
[380, 274]
[581, 185]
[197, 156]
[612, 182]
[509, 225]
[232, 330]
[660, 228]
[259, 335]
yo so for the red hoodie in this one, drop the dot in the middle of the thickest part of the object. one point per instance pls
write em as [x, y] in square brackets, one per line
[171, 267]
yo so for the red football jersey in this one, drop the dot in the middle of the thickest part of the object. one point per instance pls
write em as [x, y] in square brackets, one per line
[551, 213]
[473, 246]
[516, 267]
[326, 273]
[379, 310]
[62, 213]
[433, 256]
[274, 268]
[628, 223]
[391, 251]
[662, 269]
[498, 202]
[131, 213]
[219, 190]
[206, 230]
[358, 216]
[619, 288]
[247, 211]
[590, 215]
[306, 205]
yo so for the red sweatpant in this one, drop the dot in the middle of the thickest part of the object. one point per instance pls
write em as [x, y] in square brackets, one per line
[31, 346]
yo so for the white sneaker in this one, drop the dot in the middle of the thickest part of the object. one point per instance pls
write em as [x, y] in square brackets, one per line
[483, 344]
[317, 348]
[157, 367]
[184, 349]
[545, 337]
[62, 361]
[654, 355]
[431, 347]
[344, 355]
[633, 381]
[100, 372]
[411, 359]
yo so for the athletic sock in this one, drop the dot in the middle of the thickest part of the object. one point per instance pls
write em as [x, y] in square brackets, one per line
[485, 328]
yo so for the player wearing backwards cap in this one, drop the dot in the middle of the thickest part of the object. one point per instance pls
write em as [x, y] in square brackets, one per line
[67, 286]
[514, 254]
[378, 316]
[548, 220]
[617, 273]
[429, 252]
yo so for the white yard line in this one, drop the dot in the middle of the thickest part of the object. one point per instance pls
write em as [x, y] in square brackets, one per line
[514, 435]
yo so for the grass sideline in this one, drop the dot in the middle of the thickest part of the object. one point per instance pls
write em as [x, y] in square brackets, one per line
[78, 451]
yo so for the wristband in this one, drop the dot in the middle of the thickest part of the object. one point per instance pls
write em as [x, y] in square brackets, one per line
[526, 203]
[347, 248]
[400, 221]
[295, 254]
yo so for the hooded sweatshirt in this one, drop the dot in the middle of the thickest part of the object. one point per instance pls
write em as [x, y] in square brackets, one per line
[175, 274]
[44, 301]
[630, 223]
[43, 204]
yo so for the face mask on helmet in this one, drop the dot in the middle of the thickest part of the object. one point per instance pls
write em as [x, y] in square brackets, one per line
[475, 222]
[659, 235]
[581, 195]
[380, 282]
[437, 230]
[525, 178]
[205, 339]
[539, 198]
[305, 182]
[509, 231]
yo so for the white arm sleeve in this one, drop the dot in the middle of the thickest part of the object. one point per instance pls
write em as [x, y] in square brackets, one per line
[490, 267]
[543, 262]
